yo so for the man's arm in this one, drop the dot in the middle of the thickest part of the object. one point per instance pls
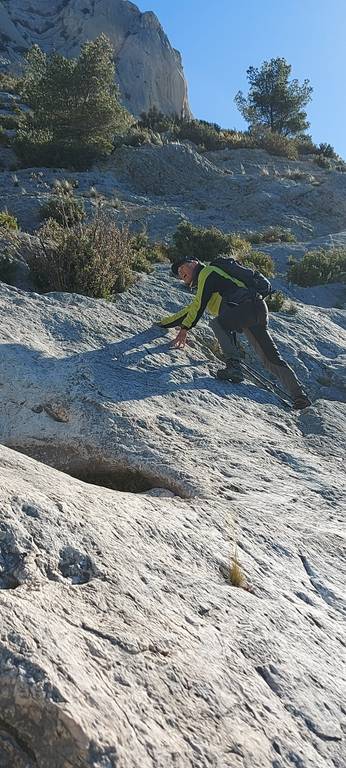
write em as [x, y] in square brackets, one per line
[205, 288]
[171, 321]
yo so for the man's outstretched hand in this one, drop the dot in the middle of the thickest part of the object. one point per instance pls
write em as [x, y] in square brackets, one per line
[180, 340]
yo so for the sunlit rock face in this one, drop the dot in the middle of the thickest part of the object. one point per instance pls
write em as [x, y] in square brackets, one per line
[149, 70]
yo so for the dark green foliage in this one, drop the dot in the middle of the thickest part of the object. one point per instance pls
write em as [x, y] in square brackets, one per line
[75, 107]
[273, 100]
[8, 270]
[275, 301]
[323, 162]
[135, 137]
[207, 244]
[271, 235]
[328, 151]
[200, 132]
[276, 144]
[262, 262]
[4, 139]
[318, 267]
[7, 222]
[93, 259]
[202, 243]
[9, 121]
[63, 207]
[157, 121]
[145, 253]
[305, 145]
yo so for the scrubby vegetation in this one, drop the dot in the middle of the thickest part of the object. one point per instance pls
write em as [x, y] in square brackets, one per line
[276, 301]
[63, 206]
[145, 254]
[135, 136]
[9, 121]
[271, 235]
[75, 108]
[318, 267]
[7, 270]
[9, 83]
[93, 259]
[211, 137]
[206, 244]
[7, 221]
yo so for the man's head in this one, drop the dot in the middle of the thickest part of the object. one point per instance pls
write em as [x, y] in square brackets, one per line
[185, 270]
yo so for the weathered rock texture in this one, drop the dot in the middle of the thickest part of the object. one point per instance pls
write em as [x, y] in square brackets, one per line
[122, 644]
[159, 186]
[149, 70]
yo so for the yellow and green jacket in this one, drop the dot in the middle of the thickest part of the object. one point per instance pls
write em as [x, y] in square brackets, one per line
[213, 284]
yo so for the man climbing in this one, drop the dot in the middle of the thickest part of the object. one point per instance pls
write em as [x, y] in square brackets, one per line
[237, 306]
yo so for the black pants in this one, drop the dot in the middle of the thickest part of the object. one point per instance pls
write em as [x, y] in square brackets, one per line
[251, 318]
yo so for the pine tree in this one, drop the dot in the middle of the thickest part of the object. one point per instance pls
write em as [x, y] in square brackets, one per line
[273, 101]
[75, 107]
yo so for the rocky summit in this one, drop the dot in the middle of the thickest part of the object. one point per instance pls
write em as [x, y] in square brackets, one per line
[149, 70]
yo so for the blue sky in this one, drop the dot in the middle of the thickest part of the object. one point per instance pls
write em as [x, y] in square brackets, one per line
[219, 40]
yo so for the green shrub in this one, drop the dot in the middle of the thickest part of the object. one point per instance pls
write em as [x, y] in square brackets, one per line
[93, 259]
[157, 121]
[276, 144]
[8, 221]
[207, 244]
[200, 133]
[318, 267]
[305, 145]
[328, 151]
[238, 139]
[271, 235]
[275, 301]
[262, 262]
[7, 270]
[9, 121]
[38, 147]
[145, 253]
[203, 243]
[63, 207]
[135, 137]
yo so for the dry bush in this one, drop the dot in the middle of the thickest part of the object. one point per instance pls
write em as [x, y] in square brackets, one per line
[236, 575]
[296, 174]
[93, 259]
[275, 144]
[8, 222]
[63, 207]
[274, 234]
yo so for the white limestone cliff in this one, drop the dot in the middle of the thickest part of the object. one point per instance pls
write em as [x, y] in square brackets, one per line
[149, 70]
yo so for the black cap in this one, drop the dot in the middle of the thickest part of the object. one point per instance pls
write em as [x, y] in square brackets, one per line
[179, 263]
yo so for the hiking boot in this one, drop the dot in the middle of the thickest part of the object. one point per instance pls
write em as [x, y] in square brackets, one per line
[300, 402]
[232, 372]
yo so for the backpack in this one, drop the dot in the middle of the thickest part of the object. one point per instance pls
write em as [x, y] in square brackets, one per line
[254, 280]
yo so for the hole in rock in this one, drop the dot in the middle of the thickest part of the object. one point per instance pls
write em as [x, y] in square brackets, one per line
[102, 472]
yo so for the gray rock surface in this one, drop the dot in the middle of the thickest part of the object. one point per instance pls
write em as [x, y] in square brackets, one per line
[158, 186]
[122, 644]
[149, 70]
